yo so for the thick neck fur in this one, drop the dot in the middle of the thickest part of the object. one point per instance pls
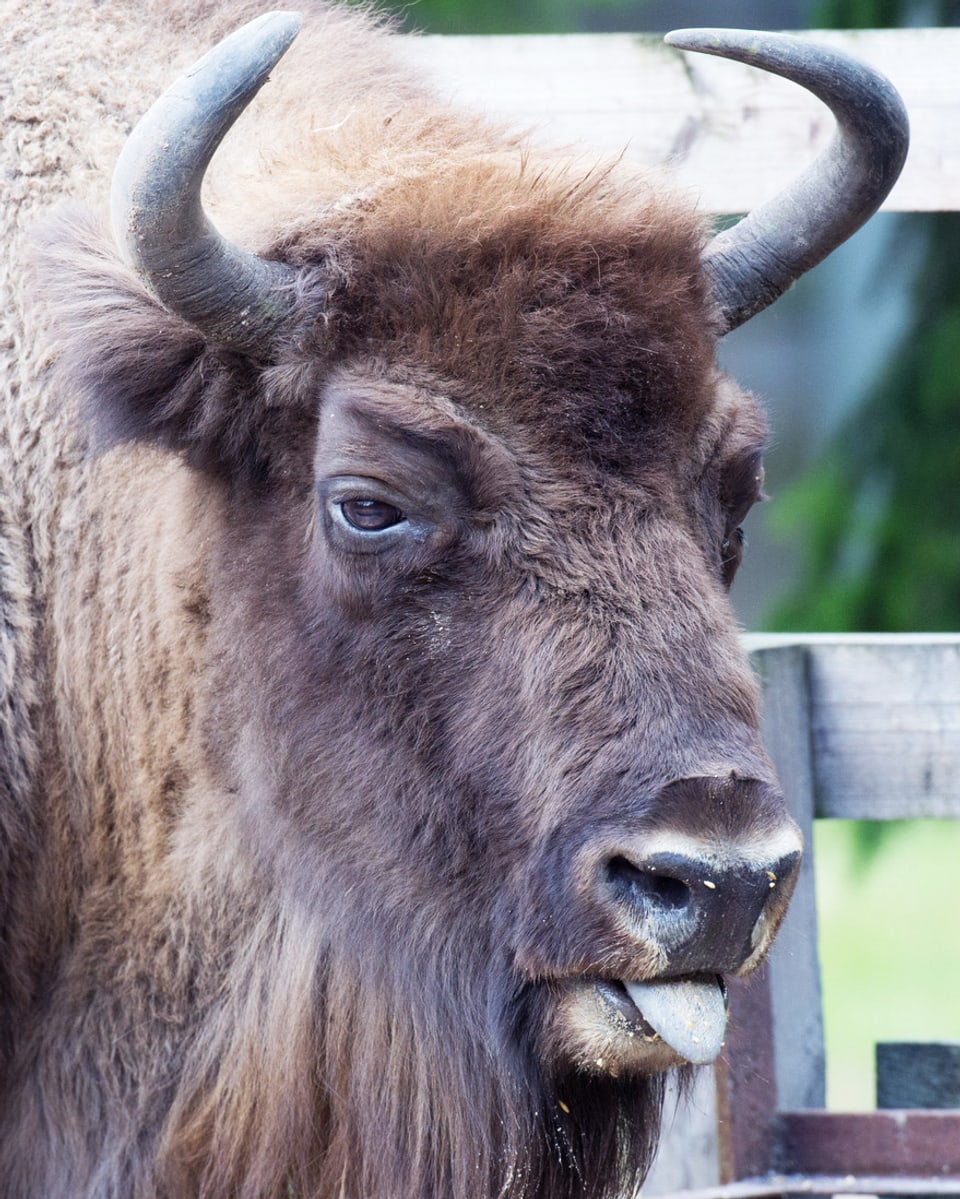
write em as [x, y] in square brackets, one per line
[338, 1084]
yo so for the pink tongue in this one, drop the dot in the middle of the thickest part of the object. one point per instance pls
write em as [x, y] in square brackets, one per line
[690, 1016]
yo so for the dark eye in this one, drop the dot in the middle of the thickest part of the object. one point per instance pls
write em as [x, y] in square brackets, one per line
[370, 516]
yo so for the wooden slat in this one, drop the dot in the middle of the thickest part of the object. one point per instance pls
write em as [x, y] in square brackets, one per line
[906, 1142]
[884, 723]
[794, 967]
[768, 1186]
[687, 1155]
[733, 135]
[746, 1082]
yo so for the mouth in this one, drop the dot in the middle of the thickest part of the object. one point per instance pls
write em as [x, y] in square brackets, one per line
[689, 1015]
[620, 1027]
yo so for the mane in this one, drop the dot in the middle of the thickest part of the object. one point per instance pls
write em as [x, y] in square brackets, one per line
[420, 1085]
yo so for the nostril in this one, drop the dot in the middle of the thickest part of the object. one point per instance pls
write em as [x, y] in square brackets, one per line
[646, 884]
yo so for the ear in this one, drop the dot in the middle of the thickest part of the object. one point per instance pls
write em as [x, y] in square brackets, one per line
[140, 373]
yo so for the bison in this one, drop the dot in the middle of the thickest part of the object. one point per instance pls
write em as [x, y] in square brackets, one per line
[382, 799]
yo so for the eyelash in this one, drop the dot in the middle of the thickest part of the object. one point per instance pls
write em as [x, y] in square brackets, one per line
[731, 553]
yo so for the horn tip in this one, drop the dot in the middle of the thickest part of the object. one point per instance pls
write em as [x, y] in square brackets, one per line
[280, 27]
[691, 39]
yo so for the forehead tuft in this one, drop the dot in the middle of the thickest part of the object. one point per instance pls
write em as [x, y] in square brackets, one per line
[561, 297]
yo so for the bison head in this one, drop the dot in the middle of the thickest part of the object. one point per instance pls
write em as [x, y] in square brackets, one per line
[467, 489]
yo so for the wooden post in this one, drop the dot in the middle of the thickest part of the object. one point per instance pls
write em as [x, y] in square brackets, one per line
[794, 965]
[916, 1074]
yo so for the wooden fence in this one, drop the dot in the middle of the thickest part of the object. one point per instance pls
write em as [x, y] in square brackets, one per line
[865, 728]
[730, 134]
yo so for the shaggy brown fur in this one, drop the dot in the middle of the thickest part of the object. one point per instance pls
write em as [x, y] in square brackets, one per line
[286, 827]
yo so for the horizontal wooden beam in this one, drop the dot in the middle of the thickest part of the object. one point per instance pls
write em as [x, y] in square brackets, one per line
[898, 1143]
[730, 135]
[884, 722]
[770, 1186]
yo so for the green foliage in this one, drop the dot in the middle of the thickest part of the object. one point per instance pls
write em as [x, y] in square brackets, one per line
[858, 14]
[888, 949]
[878, 520]
[883, 14]
[495, 16]
[879, 516]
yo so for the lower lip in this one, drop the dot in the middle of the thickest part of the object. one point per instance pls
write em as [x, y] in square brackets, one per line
[614, 993]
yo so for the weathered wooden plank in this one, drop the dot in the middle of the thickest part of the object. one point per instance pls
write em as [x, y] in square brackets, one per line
[794, 965]
[889, 1142]
[781, 1186]
[687, 1157]
[886, 729]
[755, 641]
[884, 724]
[922, 1074]
[732, 135]
[746, 1081]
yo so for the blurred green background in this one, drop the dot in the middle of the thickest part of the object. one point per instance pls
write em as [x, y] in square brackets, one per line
[858, 365]
[889, 944]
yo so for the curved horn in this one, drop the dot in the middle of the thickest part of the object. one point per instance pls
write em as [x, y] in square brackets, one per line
[756, 260]
[158, 221]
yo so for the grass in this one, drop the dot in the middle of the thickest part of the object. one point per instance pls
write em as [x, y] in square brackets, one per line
[888, 898]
